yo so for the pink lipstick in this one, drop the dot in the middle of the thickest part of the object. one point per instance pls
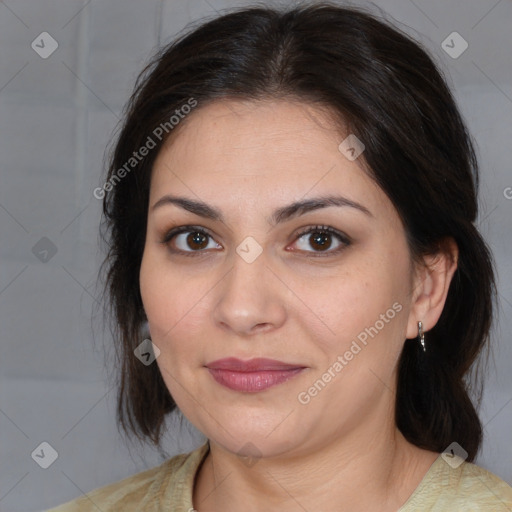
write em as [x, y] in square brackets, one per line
[253, 375]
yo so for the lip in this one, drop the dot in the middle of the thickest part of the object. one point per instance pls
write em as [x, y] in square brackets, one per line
[252, 365]
[253, 375]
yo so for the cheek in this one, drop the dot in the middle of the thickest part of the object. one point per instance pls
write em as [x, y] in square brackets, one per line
[176, 305]
[166, 295]
[346, 300]
[362, 303]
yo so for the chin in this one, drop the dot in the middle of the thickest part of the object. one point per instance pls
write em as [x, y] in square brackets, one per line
[257, 448]
[272, 433]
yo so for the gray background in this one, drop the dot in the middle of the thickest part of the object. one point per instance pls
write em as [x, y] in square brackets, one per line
[57, 115]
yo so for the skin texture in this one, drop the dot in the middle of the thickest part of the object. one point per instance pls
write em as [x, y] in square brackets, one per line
[294, 303]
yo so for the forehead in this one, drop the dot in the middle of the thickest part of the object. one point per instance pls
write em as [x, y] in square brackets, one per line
[280, 150]
[231, 129]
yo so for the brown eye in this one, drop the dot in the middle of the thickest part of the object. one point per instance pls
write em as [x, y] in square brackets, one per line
[189, 240]
[196, 240]
[321, 239]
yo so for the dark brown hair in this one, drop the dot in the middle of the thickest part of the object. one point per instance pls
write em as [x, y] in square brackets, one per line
[384, 88]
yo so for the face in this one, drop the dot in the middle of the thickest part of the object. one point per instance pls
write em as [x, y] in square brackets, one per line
[325, 289]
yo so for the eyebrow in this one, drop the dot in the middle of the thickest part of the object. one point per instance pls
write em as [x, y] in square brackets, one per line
[280, 215]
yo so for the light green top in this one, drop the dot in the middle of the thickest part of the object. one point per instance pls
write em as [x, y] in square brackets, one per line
[168, 487]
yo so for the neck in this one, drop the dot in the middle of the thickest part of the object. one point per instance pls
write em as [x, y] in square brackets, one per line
[373, 470]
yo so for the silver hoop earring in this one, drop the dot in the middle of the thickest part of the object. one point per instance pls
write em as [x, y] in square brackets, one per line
[421, 335]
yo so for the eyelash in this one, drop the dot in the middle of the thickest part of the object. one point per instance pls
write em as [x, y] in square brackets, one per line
[312, 229]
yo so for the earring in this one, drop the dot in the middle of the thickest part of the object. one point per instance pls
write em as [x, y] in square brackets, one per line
[421, 335]
[144, 329]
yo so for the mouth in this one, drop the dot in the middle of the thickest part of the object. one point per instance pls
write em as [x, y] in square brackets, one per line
[252, 376]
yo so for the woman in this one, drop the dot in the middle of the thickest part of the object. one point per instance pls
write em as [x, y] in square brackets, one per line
[290, 209]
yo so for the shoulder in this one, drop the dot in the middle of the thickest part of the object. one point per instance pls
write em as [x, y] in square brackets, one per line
[457, 485]
[171, 481]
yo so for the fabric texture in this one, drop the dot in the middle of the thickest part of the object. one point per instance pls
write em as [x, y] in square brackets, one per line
[446, 487]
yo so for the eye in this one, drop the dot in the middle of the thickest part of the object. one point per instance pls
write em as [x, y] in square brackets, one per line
[193, 240]
[189, 240]
[320, 239]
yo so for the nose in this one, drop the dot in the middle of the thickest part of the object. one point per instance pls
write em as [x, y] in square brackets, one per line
[251, 299]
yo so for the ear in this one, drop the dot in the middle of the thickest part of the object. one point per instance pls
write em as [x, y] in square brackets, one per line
[430, 286]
